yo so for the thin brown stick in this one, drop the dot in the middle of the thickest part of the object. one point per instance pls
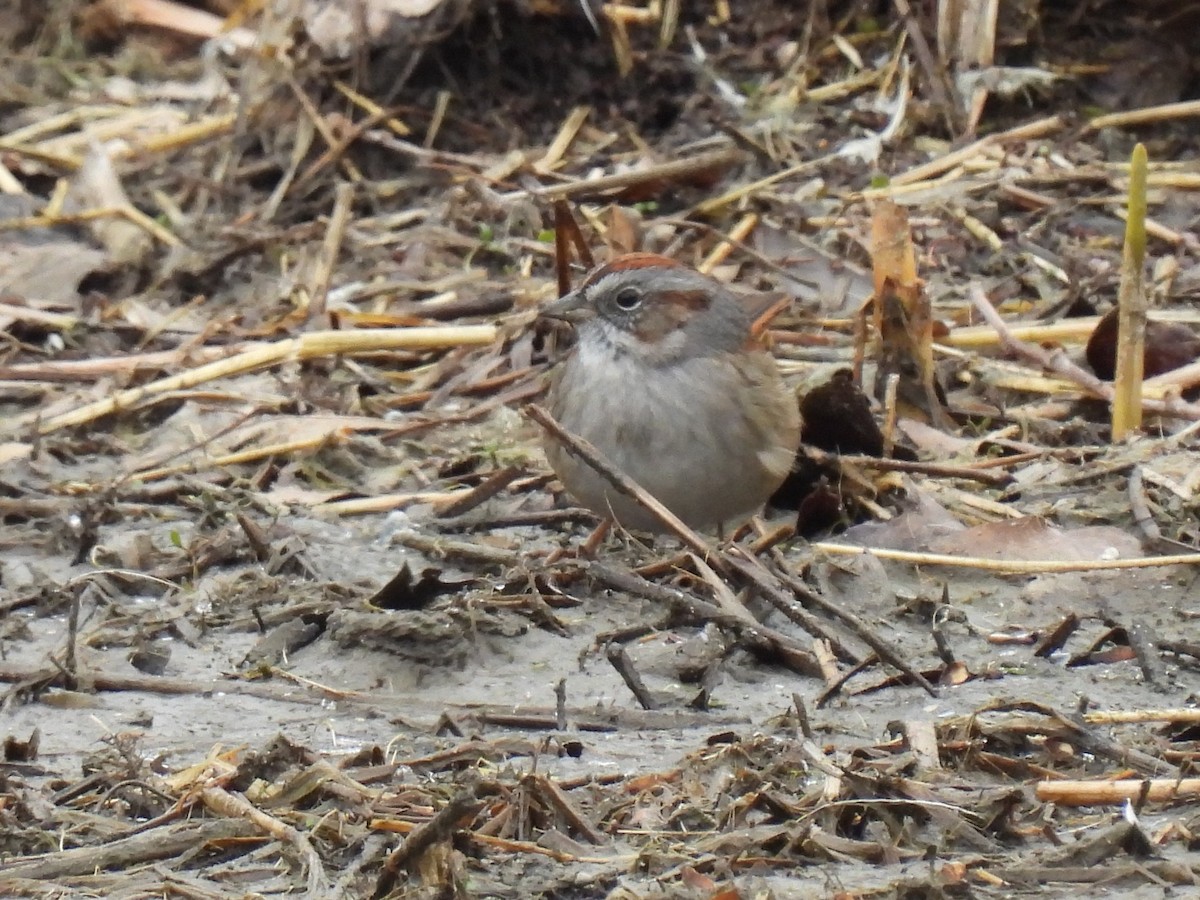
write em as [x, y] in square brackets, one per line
[128, 852]
[484, 491]
[440, 828]
[555, 796]
[759, 638]
[1142, 517]
[943, 470]
[620, 660]
[315, 344]
[675, 170]
[1074, 728]
[934, 71]
[835, 687]
[335, 152]
[1027, 131]
[1060, 365]
[343, 200]
[1105, 793]
[886, 652]
[1145, 650]
[590, 455]
[778, 597]
[235, 806]
[1009, 566]
[164, 685]
[562, 247]
[566, 223]
[1146, 114]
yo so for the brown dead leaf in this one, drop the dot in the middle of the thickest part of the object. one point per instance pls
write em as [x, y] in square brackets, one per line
[1103, 657]
[47, 275]
[16, 750]
[1033, 538]
[953, 873]
[650, 782]
[697, 881]
[830, 284]
[624, 233]
[412, 590]
[892, 256]
[931, 443]
[955, 674]
[926, 520]
[902, 315]
[1169, 345]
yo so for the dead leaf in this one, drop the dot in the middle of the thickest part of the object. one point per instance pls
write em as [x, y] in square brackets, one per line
[697, 881]
[902, 315]
[955, 674]
[1169, 345]
[830, 284]
[43, 267]
[925, 521]
[932, 443]
[407, 590]
[892, 256]
[1033, 538]
[624, 233]
[47, 275]
[16, 750]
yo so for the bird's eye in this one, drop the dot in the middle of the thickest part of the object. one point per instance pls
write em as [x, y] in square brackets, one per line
[628, 298]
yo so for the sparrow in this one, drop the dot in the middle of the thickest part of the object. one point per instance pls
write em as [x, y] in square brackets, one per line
[668, 379]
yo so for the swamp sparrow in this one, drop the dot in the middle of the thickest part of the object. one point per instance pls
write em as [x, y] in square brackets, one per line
[669, 381]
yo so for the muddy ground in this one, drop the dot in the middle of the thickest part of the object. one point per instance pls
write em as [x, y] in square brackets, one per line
[255, 642]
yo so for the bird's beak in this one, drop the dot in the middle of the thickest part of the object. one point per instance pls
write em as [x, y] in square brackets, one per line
[572, 307]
